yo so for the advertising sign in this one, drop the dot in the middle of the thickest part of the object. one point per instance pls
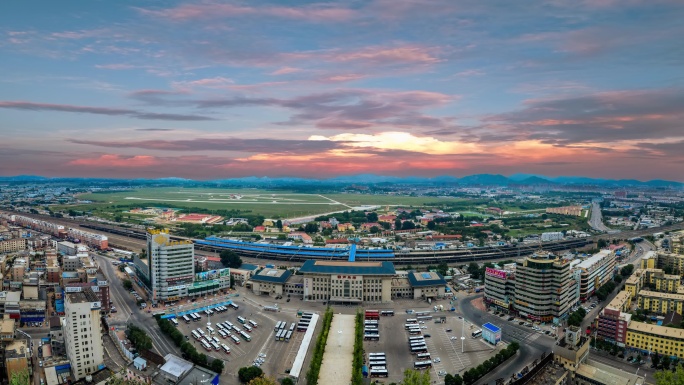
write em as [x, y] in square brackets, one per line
[212, 274]
[495, 273]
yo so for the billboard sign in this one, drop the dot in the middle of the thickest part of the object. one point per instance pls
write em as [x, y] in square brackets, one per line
[212, 274]
[495, 273]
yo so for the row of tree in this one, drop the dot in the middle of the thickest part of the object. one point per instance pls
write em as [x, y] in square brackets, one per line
[189, 351]
[357, 360]
[319, 349]
[577, 317]
[471, 375]
[604, 291]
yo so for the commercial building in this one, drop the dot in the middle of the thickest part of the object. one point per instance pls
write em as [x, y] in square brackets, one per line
[427, 285]
[270, 281]
[347, 282]
[655, 279]
[614, 319]
[500, 287]
[66, 248]
[551, 236]
[545, 289]
[170, 264]
[595, 271]
[83, 332]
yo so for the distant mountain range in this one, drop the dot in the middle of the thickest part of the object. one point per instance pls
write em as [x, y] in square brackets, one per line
[368, 179]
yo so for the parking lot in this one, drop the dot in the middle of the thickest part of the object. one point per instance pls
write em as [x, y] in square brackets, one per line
[276, 356]
[444, 346]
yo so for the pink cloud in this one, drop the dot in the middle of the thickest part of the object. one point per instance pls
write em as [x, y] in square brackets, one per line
[312, 13]
[285, 71]
[406, 54]
[341, 78]
[113, 160]
[215, 82]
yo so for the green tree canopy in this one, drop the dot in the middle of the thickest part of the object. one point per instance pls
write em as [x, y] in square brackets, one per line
[248, 373]
[667, 377]
[416, 377]
[230, 259]
[20, 378]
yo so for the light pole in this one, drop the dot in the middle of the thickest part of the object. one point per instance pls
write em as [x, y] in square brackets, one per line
[463, 335]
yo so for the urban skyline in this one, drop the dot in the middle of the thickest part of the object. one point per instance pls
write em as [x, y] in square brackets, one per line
[209, 90]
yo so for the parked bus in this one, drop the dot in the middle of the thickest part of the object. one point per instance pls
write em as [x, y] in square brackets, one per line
[375, 364]
[197, 317]
[420, 365]
[371, 355]
[216, 346]
[371, 337]
[234, 305]
[292, 326]
[186, 319]
[387, 313]
[174, 322]
[477, 333]
[422, 313]
[411, 321]
[223, 334]
[247, 328]
[419, 349]
[414, 332]
[225, 348]
[245, 336]
[409, 326]
[210, 330]
[206, 346]
[377, 372]
[416, 339]
[235, 339]
[241, 320]
[277, 335]
[201, 332]
[424, 317]
[302, 327]
[423, 356]
[372, 314]
[196, 335]
[253, 324]
[288, 336]
[370, 322]
[277, 326]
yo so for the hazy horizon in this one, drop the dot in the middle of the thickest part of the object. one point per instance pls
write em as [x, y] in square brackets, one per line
[215, 90]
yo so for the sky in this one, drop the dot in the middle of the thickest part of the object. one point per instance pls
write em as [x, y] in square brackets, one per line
[223, 89]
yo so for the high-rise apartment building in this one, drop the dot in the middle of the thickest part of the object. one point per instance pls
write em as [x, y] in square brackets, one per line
[171, 266]
[500, 287]
[545, 288]
[82, 332]
[595, 271]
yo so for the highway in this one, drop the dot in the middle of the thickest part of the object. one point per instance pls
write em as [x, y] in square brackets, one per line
[128, 311]
[596, 220]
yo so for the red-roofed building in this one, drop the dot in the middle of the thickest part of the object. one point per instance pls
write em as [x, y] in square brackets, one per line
[368, 226]
[259, 229]
[445, 237]
[477, 225]
[337, 241]
[301, 236]
[387, 218]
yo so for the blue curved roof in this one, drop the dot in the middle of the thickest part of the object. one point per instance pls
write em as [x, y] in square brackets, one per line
[326, 252]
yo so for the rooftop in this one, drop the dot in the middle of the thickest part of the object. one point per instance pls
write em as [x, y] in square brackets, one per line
[7, 326]
[619, 300]
[86, 295]
[604, 374]
[492, 328]
[656, 330]
[175, 366]
[199, 375]
[657, 294]
[425, 279]
[17, 349]
[248, 266]
[344, 267]
[594, 259]
[272, 275]
[99, 376]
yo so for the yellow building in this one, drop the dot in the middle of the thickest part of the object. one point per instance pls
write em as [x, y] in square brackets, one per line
[653, 338]
[677, 243]
[671, 260]
[660, 303]
[653, 278]
[621, 302]
[649, 261]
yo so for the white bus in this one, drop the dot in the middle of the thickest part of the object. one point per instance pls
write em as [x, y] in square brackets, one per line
[420, 365]
[387, 312]
[241, 320]
[223, 334]
[235, 339]
[371, 337]
[375, 364]
[370, 322]
[416, 338]
[277, 326]
[196, 335]
[292, 326]
[288, 336]
[186, 319]
[247, 328]
[174, 322]
[234, 306]
[371, 355]
[411, 321]
[253, 324]
[423, 356]
[216, 346]
[378, 372]
[477, 333]
[225, 348]
[414, 332]
[419, 349]
[210, 330]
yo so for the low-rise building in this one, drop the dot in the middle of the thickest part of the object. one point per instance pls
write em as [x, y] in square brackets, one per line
[614, 319]
[17, 358]
[7, 330]
[12, 245]
[270, 281]
[648, 338]
[347, 282]
[427, 285]
[660, 303]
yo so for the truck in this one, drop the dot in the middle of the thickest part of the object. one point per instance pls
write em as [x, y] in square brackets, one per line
[364, 370]
[478, 289]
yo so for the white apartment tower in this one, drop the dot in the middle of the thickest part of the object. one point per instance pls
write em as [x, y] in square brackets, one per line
[82, 332]
[171, 266]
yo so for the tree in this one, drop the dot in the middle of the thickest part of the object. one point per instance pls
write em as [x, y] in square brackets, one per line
[655, 359]
[449, 379]
[311, 228]
[287, 381]
[666, 377]
[372, 217]
[279, 224]
[230, 259]
[139, 338]
[665, 361]
[408, 225]
[20, 378]
[397, 224]
[601, 243]
[248, 373]
[442, 268]
[263, 381]
[458, 380]
[127, 284]
[431, 225]
[374, 229]
[415, 377]
[217, 366]
[474, 270]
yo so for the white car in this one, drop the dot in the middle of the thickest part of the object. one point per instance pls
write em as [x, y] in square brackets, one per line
[437, 360]
[442, 373]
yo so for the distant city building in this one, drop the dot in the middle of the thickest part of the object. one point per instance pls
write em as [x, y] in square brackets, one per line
[12, 245]
[552, 236]
[565, 210]
[83, 332]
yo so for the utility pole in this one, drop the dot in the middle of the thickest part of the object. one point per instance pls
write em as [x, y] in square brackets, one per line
[462, 334]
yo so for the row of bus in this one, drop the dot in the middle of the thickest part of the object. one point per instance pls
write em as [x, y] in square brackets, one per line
[304, 322]
[377, 363]
[418, 346]
[209, 342]
[371, 331]
[282, 333]
[412, 328]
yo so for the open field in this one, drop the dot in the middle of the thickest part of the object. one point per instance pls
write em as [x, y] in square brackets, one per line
[263, 202]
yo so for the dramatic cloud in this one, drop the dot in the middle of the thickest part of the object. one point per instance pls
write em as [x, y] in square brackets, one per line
[30, 106]
[111, 160]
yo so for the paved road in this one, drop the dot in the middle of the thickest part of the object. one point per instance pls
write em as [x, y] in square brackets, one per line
[596, 220]
[532, 344]
[128, 311]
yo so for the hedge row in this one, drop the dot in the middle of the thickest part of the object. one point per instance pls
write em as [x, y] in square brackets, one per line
[473, 374]
[357, 363]
[319, 349]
